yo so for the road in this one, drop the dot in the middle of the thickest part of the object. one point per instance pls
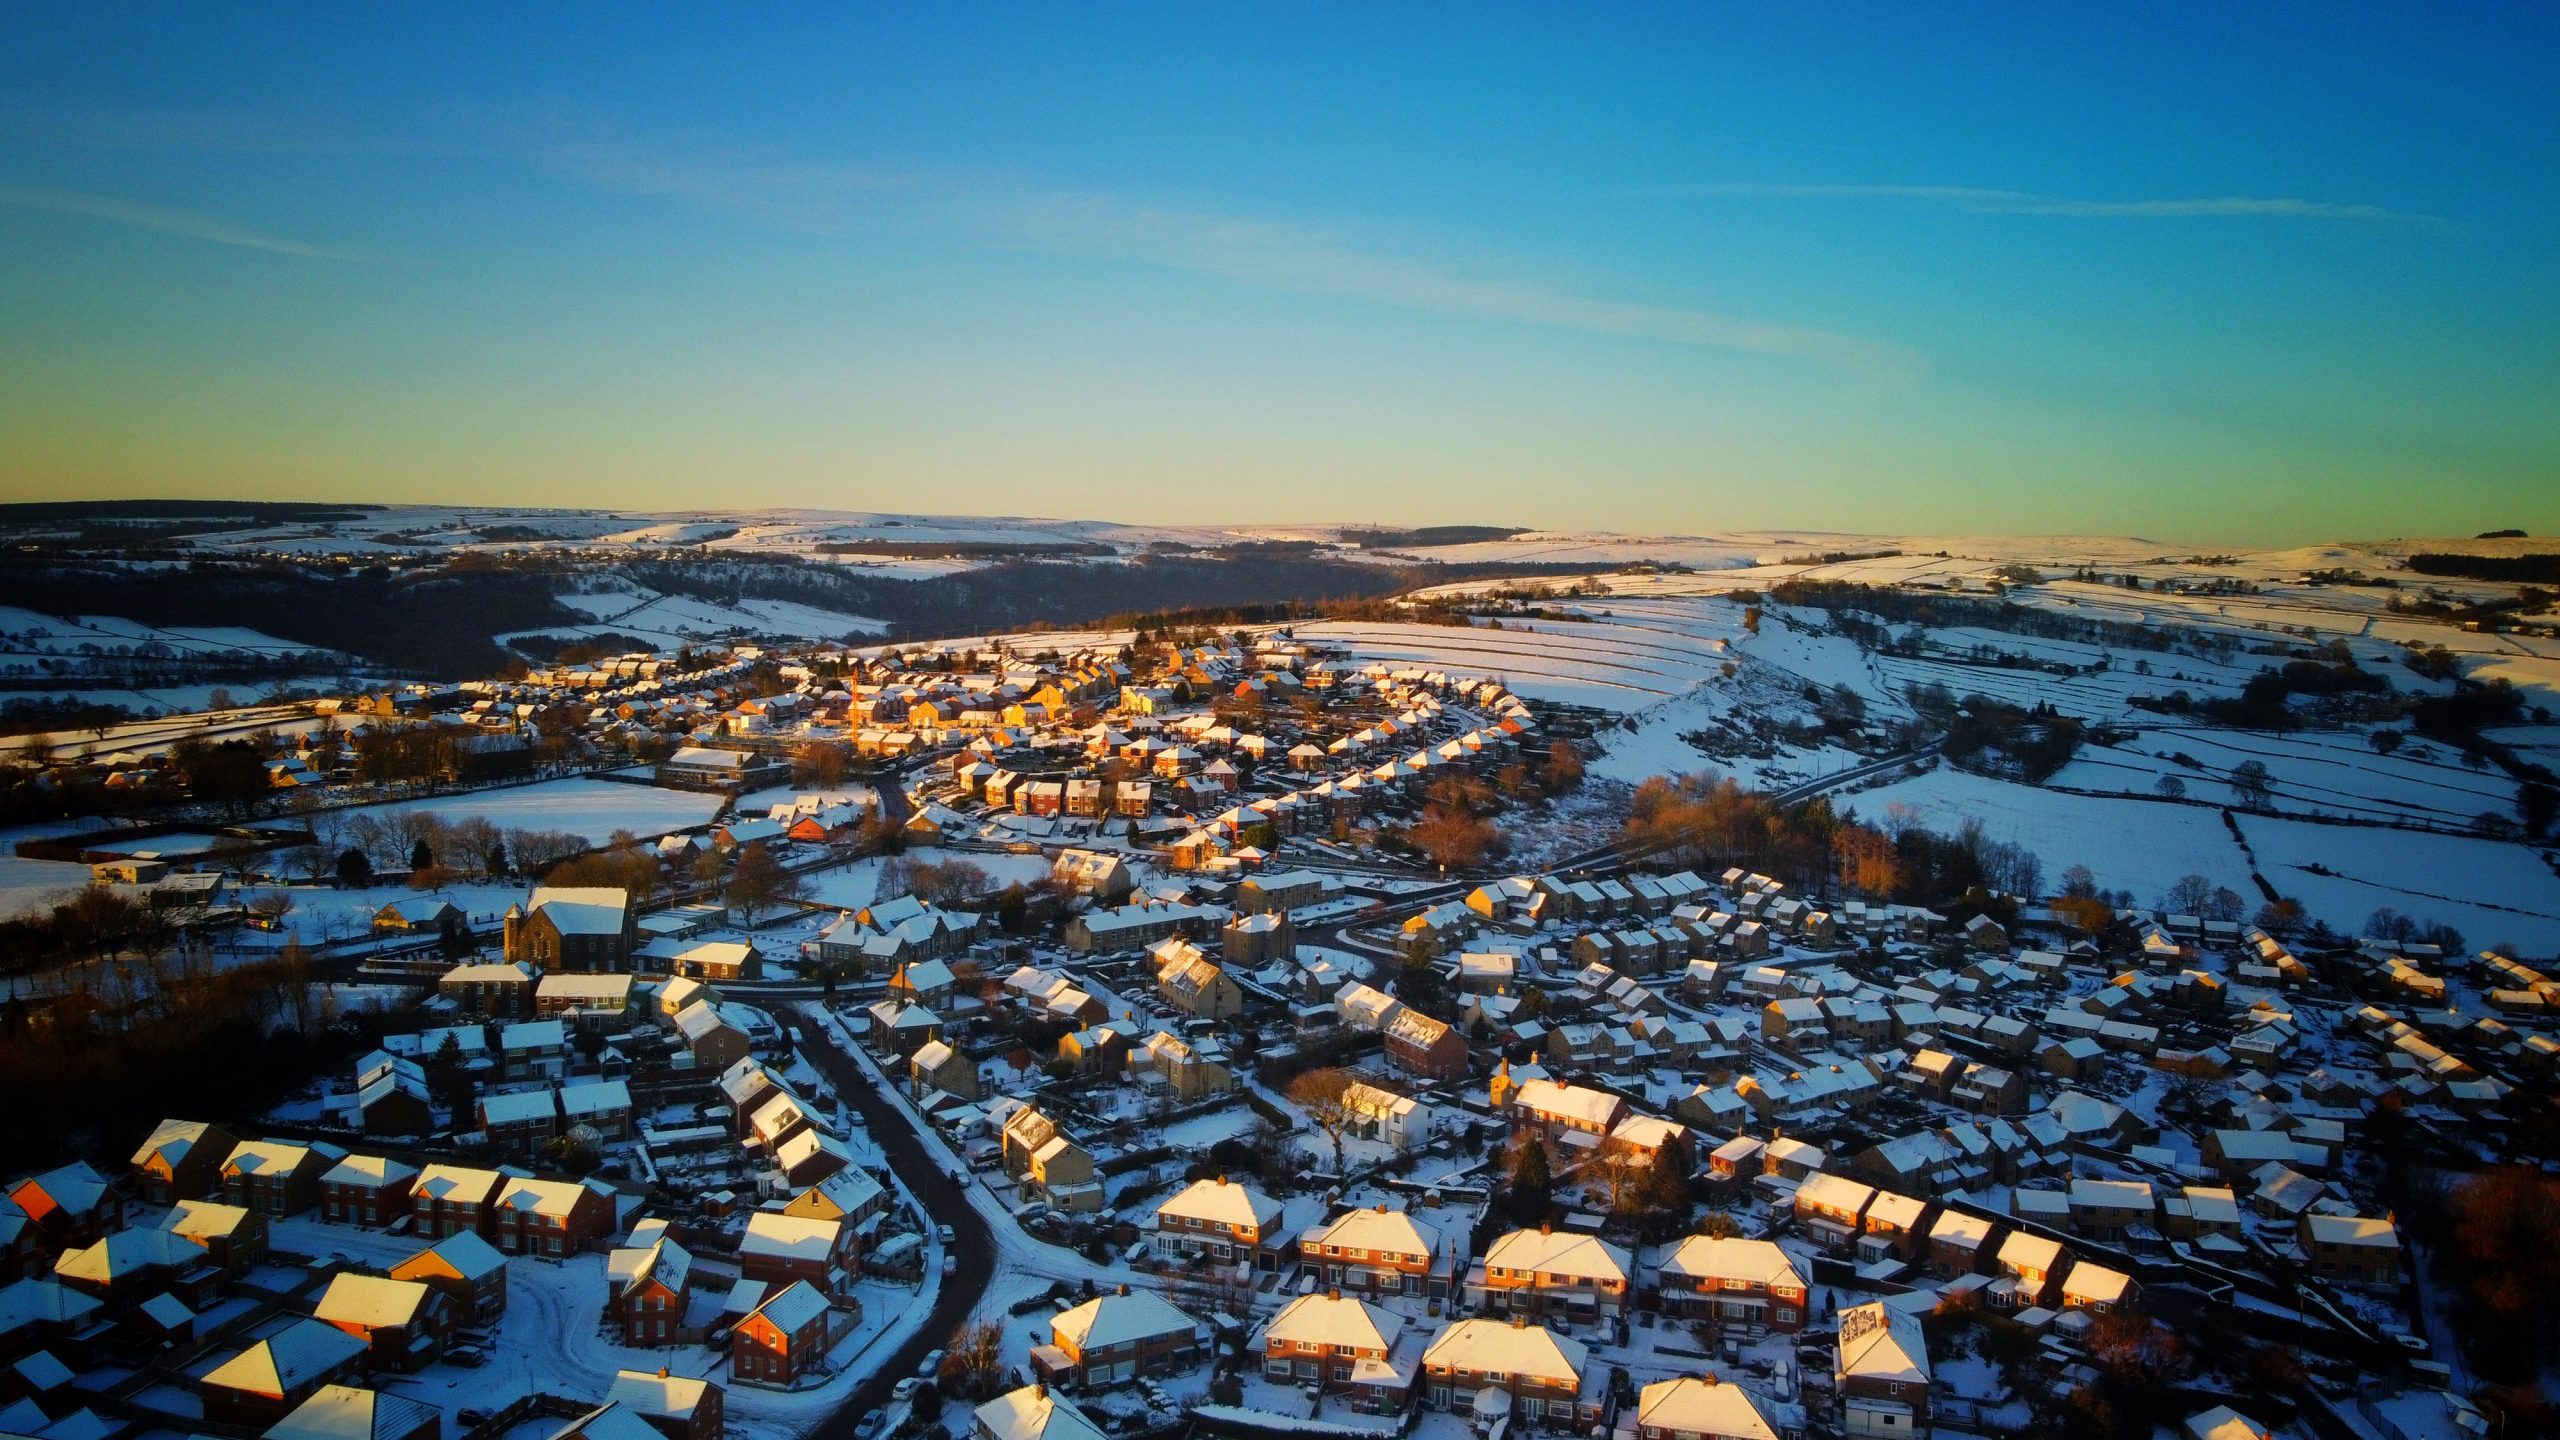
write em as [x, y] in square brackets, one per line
[945, 1203]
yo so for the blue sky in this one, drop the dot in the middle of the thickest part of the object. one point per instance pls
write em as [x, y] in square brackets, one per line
[2259, 277]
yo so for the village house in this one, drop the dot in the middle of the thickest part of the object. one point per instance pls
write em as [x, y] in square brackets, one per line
[1193, 983]
[553, 1217]
[345, 1412]
[452, 1199]
[267, 1381]
[779, 1249]
[1033, 1412]
[366, 1190]
[1044, 1160]
[676, 1407]
[231, 1237]
[180, 1160]
[2352, 1249]
[648, 1286]
[489, 990]
[276, 1179]
[1422, 1046]
[601, 999]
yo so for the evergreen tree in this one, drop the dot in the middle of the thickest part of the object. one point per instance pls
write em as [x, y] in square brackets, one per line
[1531, 1194]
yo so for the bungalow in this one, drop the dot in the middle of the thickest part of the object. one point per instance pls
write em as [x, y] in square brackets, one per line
[422, 915]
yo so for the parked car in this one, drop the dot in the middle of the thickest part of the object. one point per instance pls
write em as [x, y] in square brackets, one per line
[944, 1231]
[931, 1363]
[870, 1425]
[950, 1265]
[469, 1357]
[905, 1389]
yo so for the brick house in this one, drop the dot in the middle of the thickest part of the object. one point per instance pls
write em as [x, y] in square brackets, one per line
[782, 1337]
[1546, 1271]
[1745, 1284]
[1420, 1045]
[675, 1407]
[467, 1270]
[1224, 1221]
[276, 1179]
[1832, 1209]
[648, 1285]
[1960, 1244]
[230, 1236]
[1696, 1407]
[1118, 1337]
[492, 990]
[780, 1249]
[1377, 1251]
[366, 1190]
[553, 1217]
[347, 1412]
[180, 1160]
[264, 1383]
[1494, 1368]
[403, 1323]
[1343, 1344]
[2352, 1249]
[451, 1199]
[1880, 1372]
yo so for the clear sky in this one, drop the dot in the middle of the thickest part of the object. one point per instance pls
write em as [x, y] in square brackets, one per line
[2248, 274]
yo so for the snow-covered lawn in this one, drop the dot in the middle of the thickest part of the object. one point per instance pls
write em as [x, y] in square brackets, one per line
[2490, 890]
[28, 884]
[592, 809]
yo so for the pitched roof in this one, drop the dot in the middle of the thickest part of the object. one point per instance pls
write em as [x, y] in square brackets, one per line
[287, 1360]
[1340, 1320]
[1034, 1413]
[1701, 1406]
[343, 1412]
[793, 1306]
[1108, 1320]
[1224, 1202]
[1376, 1228]
[370, 1301]
[1706, 1257]
[1557, 1252]
[1505, 1348]
[1882, 1342]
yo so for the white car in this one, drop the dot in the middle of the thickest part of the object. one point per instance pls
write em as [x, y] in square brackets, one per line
[944, 1231]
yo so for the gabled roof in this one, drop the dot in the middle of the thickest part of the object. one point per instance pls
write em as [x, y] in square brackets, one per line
[673, 1396]
[795, 1305]
[171, 1140]
[370, 1301]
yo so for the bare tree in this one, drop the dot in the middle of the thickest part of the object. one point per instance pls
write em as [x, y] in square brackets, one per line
[1324, 1096]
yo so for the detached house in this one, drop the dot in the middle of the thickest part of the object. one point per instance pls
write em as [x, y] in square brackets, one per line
[276, 1179]
[262, 1384]
[648, 1285]
[782, 1337]
[404, 1324]
[467, 1270]
[779, 1249]
[180, 1160]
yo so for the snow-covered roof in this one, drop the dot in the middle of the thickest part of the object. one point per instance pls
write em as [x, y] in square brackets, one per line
[370, 1301]
[1221, 1201]
[1557, 1252]
[581, 909]
[1343, 1321]
[1120, 1319]
[287, 1360]
[1503, 1348]
[1701, 1406]
[1705, 1257]
[1376, 1228]
[344, 1412]
[171, 1139]
[1882, 1342]
[1034, 1412]
[790, 1237]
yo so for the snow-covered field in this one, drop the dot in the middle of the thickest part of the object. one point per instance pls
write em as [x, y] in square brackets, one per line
[26, 884]
[668, 621]
[593, 809]
[2310, 773]
[2136, 845]
[2490, 890]
[26, 632]
[1605, 666]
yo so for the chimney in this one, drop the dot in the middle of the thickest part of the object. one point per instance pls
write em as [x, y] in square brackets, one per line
[1334, 1294]
[1382, 1207]
[1519, 1322]
[662, 1372]
[1546, 1227]
[1711, 1377]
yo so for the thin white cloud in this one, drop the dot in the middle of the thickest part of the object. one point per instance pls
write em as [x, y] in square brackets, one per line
[2027, 202]
[160, 218]
[1268, 255]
